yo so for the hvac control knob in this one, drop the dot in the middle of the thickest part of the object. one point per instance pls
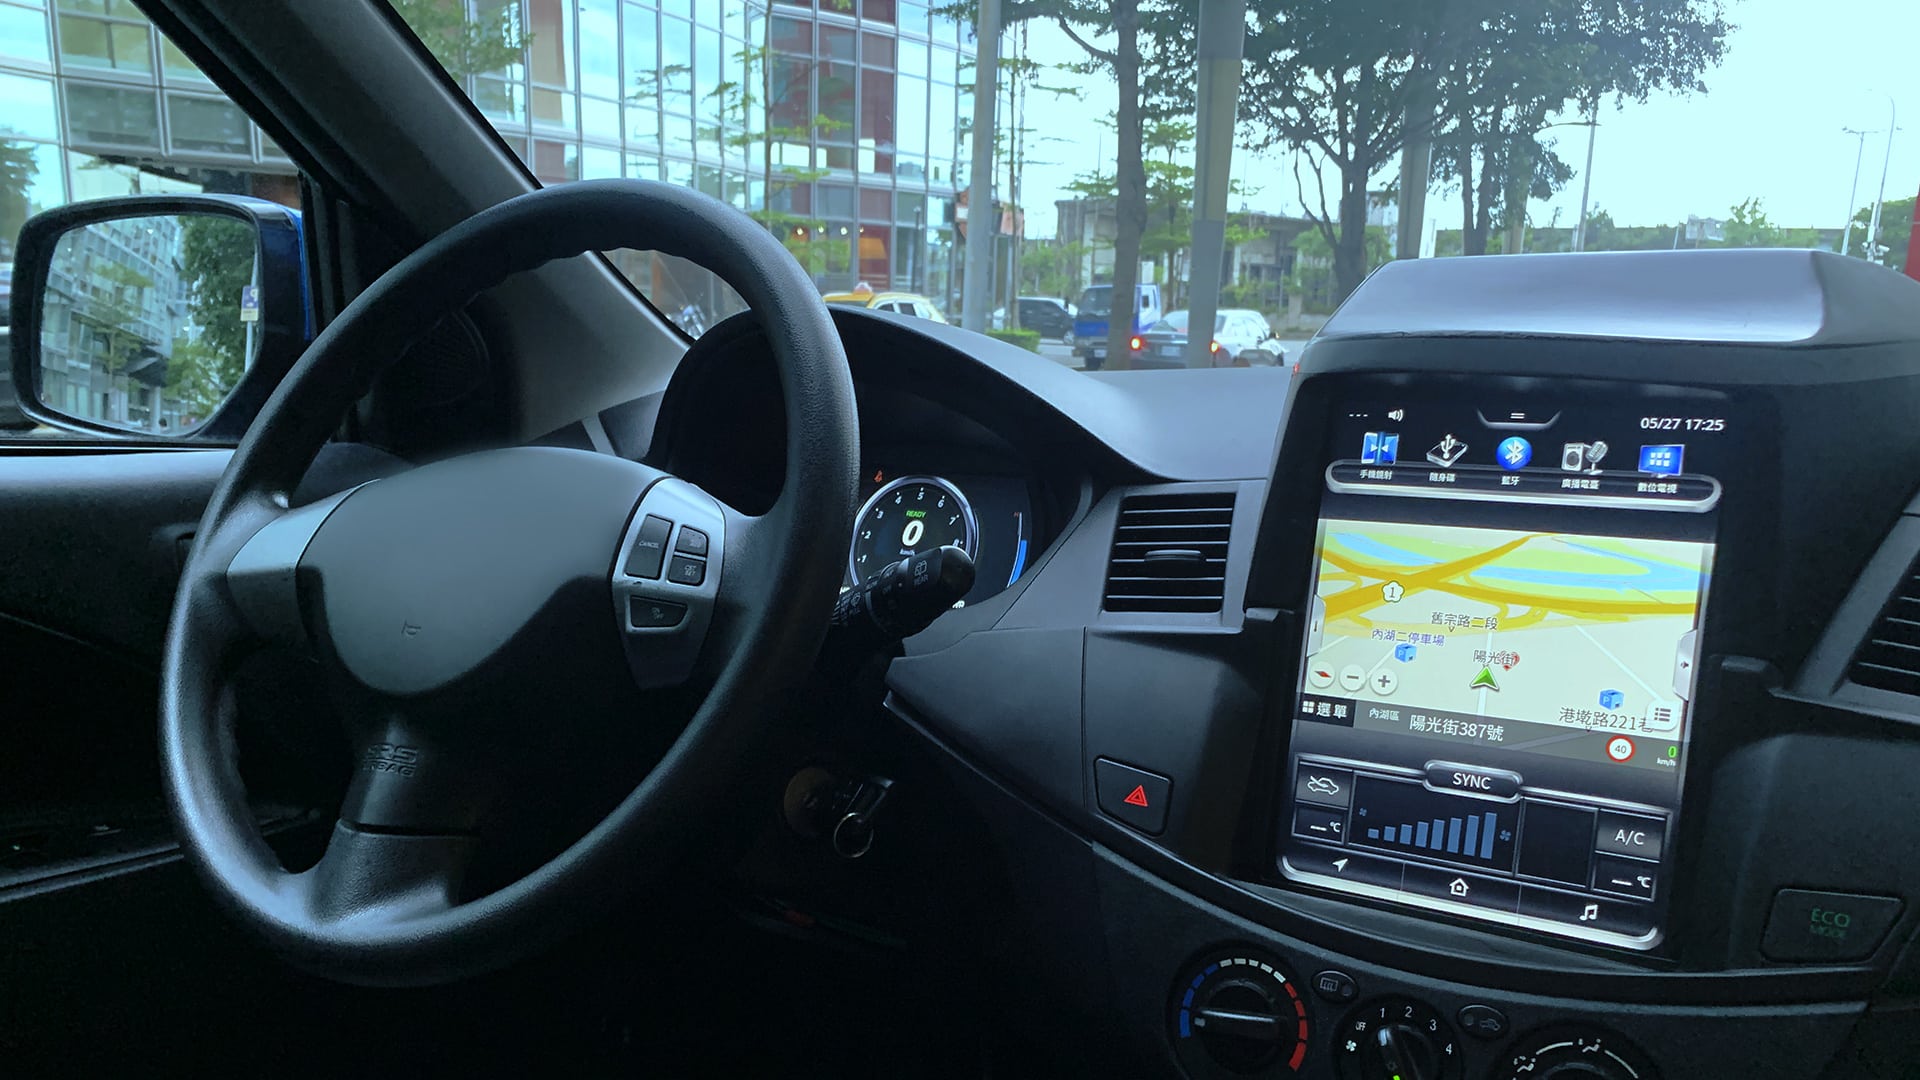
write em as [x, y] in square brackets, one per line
[1237, 1014]
[1395, 1039]
[1575, 1052]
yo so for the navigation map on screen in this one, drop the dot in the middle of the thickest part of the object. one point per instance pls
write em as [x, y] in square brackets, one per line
[1588, 632]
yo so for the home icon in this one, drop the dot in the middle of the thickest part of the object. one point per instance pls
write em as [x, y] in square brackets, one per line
[1458, 887]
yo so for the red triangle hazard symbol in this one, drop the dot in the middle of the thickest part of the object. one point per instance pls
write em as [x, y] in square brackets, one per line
[1137, 797]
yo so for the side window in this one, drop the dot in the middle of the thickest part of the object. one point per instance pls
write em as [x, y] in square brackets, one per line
[96, 102]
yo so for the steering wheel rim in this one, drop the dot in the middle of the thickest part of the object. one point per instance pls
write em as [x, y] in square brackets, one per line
[386, 913]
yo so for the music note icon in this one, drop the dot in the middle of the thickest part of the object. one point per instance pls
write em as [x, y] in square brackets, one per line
[1591, 913]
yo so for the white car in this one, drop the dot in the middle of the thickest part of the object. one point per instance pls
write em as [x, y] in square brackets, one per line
[1241, 338]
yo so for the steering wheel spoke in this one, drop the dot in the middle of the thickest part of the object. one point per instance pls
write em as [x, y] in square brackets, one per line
[261, 574]
[378, 878]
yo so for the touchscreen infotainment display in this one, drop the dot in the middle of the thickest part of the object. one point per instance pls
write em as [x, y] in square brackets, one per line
[1498, 672]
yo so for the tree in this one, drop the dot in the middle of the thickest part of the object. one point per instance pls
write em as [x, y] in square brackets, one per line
[1520, 64]
[17, 170]
[465, 47]
[1896, 230]
[217, 263]
[758, 117]
[1314, 278]
[1335, 80]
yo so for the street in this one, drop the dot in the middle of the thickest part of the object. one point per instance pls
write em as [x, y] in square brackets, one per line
[1060, 353]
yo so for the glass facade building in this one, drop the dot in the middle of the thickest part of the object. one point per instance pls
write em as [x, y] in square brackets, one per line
[839, 124]
[95, 102]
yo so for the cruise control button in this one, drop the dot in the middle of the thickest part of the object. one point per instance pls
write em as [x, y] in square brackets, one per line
[1472, 779]
[1323, 786]
[1624, 877]
[691, 542]
[1335, 863]
[1630, 834]
[1586, 912]
[1440, 883]
[685, 571]
[649, 548]
[644, 613]
[1806, 924]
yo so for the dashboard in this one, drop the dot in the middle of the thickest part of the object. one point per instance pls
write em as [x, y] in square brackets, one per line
[1529, 685]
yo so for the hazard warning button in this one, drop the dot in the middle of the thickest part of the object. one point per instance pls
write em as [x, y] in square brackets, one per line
[1133, 796]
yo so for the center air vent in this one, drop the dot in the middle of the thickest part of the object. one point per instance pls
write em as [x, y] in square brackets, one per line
[1890, 657]
[1170, 553]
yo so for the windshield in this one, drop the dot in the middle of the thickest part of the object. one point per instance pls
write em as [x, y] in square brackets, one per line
[844, 126]
[1096, 303]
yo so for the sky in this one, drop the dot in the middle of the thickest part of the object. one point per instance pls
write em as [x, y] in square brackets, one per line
[1769, 126]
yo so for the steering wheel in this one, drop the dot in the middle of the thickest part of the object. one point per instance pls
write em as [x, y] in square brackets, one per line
[457, 609]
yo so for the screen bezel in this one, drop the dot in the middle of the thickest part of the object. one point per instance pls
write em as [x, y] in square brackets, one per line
[1281, 579]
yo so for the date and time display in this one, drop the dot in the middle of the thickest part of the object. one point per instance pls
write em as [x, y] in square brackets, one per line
[1683, 423]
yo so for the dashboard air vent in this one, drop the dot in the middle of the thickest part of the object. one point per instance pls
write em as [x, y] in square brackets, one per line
[1170, 553]
[1890, 657]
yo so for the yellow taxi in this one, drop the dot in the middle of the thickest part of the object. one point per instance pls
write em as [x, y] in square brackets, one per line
[902, 302]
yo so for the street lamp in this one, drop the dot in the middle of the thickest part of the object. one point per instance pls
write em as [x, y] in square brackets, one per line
[1873, 223]
[1846, 234]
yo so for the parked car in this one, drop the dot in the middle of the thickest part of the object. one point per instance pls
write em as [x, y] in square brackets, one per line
[1053, 318]
[900, 302]
[1090, 322]
[1241, 338]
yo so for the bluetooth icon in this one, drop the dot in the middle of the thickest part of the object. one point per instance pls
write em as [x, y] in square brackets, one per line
[1514, 453]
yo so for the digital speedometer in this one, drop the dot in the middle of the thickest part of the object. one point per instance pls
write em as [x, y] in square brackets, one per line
[910, 515]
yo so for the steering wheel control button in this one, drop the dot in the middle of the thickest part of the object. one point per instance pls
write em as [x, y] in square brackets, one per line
[1335, 986]
[685, 571]
[649, 548]
[1320, 786]
[1810, 925]
[1132, 796]
[691, 542]
[645, 613]
[1624, 877]
[1630, 834]
[1482, 1021]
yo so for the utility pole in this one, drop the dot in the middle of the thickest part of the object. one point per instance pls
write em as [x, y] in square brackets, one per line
[1873, 222]
[976, 297]
[1586, 181]
[1217, 50]
[1846, 234]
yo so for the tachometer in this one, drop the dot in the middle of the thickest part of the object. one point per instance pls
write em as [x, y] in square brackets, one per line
[910, 515]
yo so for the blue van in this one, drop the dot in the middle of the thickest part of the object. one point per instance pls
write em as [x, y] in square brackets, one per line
[1090, 323]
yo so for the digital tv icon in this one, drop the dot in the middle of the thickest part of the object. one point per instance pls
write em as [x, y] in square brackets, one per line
[1380, 448]
[1664, 460]
[1582, 457]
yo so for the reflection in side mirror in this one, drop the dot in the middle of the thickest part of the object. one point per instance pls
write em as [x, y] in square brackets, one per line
[148, 323]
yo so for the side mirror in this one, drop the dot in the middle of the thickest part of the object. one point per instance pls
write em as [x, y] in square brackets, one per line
[156, 315]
